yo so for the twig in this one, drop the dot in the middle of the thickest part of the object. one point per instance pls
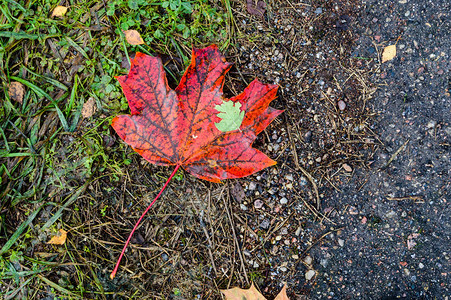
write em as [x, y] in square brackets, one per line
[210, 244]
[226, 204]
[395, 155]
[417, 199]
[307, 174]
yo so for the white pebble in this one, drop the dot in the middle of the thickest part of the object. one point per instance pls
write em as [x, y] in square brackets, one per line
[347, 167]
[258, 204]
[252, 186]
[309, 274]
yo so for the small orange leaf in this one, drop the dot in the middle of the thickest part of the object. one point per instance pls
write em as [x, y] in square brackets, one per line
[239, 294]
[133, 37]
[59, 11]
[389, 53]
[59, 238]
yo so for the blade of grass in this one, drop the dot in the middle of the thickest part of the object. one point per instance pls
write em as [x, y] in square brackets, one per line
[48, 79]
[5, 139]
[57, 287]
[19, 231]
[41, 93]
[17, 4]
[3, 154]
[77, 47]
[144, 50]
[73, 93]
[76, 118]
[71, 200]
[23, 35]
[14, 293]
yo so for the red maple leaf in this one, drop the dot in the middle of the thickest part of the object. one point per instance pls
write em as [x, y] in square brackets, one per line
[182, 127]
[178, 127]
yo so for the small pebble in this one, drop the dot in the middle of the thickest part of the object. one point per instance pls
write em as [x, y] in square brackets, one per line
[289, 177]
[390, 214]
[264, 224]
[308, 136]
[341, 105]
[420, 265]
[432, 124]
[258, 204]
[347, 167]
[319, 11]
[309, 274]
[283, 201]
[295, 256]
[243, 207]
[252, 186]
[308, 260]
[303, 181]
[283, 269]
[341, 242]
[298, 231]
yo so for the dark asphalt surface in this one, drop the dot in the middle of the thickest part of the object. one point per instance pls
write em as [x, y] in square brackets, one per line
[396, 237]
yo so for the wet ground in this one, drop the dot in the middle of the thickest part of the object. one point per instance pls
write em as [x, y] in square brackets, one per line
[397, 215]
[384, 230]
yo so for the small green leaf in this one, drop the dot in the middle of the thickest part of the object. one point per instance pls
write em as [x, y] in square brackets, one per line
[231, 116]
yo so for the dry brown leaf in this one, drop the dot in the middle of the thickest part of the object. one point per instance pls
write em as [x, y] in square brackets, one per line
[16, 91]
[283, 294]
[59, 11]
[133, 37]
[239, 294]
[59, 238]
[251, 294]
[389, 53]
[89, 108]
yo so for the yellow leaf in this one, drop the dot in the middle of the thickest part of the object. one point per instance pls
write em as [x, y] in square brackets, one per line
[283, 294]
[59, 11]
[389, 53]
[58, 239]
[133, 37]
[240, 294]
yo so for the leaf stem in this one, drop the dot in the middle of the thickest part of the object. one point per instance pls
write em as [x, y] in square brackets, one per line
[113, 274]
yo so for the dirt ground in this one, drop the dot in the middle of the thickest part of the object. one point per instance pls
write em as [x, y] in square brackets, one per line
[357, 206]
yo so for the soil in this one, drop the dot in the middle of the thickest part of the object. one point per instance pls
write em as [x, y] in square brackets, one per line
[358, 204]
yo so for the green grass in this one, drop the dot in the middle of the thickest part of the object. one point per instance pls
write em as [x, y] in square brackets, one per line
[50, 154]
